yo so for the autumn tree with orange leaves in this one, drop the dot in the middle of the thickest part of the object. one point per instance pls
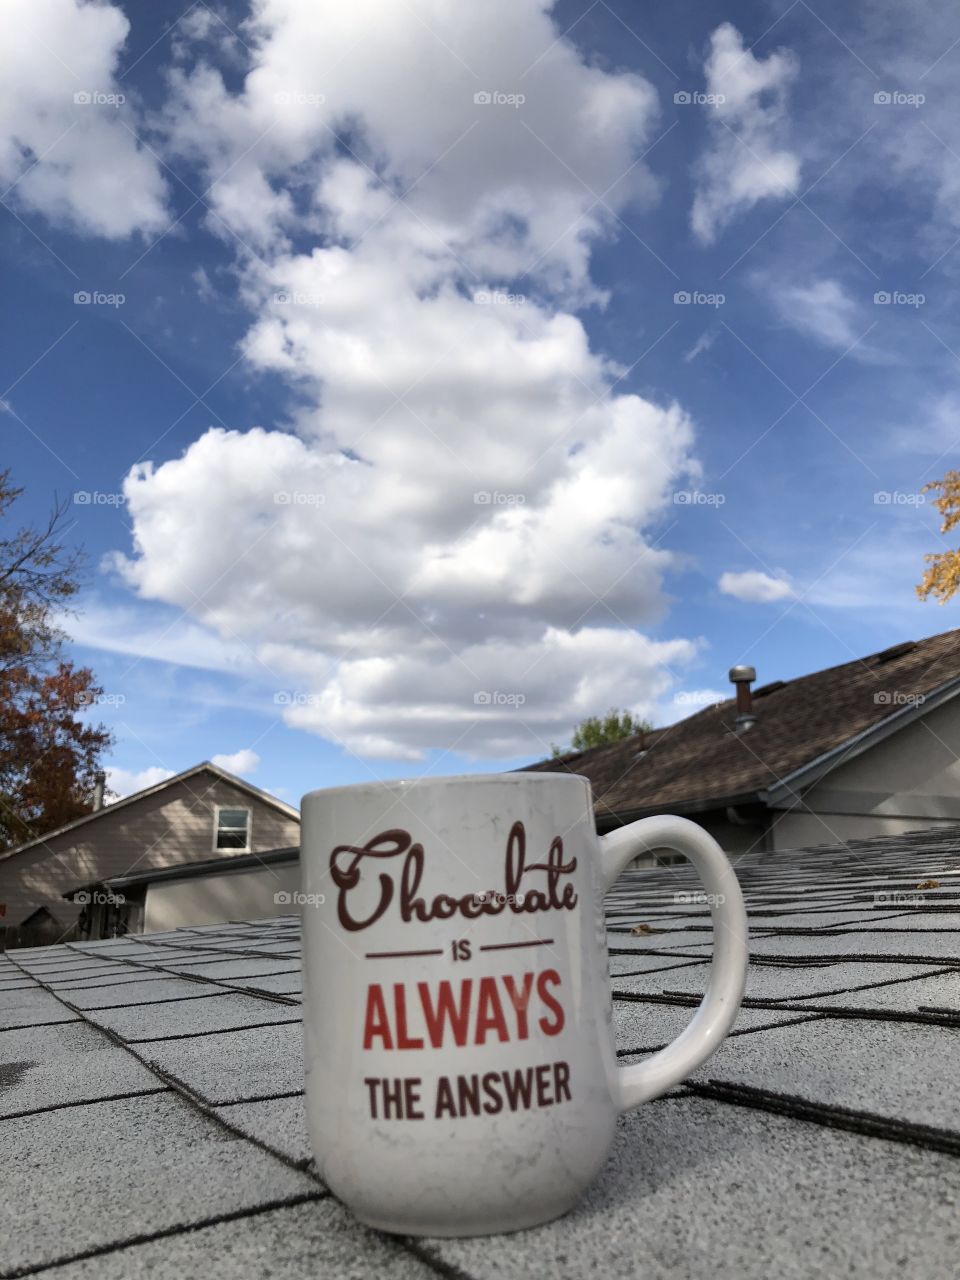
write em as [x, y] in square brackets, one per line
[49, 751]
[942, 577]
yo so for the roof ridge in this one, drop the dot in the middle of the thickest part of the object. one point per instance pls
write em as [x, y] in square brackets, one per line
[813, 721]
[137, 796]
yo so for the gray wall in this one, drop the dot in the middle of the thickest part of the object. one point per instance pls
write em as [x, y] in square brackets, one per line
[175, 824]
[731, 837]
[909, 781]
[246, 894]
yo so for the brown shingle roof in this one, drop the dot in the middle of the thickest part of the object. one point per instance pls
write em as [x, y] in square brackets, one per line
[701, 761]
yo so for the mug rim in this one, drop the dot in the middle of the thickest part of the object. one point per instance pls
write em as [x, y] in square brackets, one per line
[399, 784]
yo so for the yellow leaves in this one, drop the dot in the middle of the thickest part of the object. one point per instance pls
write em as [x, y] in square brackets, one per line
[941, 579]
[948, 503]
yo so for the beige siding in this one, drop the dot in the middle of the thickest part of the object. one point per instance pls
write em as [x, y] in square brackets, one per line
[908, 782]
[175, 824]
[248, 894]
[730, 836]
[802, 831]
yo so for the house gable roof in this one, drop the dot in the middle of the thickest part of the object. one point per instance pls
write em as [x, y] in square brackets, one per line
[805, 727]
[192, 870]
[204, 767]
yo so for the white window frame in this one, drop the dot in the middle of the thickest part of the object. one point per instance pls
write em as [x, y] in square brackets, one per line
[216, 828]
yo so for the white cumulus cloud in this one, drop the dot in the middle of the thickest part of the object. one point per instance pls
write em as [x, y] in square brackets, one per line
[124, 782]
[365, 118]
[746, 160]
[755, 587]
[447, 544]
[68, 145]
[242, 761]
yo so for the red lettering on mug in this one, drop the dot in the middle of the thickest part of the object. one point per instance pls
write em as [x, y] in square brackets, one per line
[490, 1013]
[546, 1026]
[437, 1016]
[376, 1022]
[520, 1000]
[461, 1012]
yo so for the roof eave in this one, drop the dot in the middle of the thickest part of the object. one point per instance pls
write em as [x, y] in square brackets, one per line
[188, 870]
[620, 817]
[783, 794]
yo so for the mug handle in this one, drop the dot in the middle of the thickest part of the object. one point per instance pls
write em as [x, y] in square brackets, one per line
[728, 970]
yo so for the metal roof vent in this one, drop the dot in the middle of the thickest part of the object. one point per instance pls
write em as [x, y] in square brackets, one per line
[741, 677]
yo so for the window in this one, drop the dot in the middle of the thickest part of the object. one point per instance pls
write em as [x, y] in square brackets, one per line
[232, 829]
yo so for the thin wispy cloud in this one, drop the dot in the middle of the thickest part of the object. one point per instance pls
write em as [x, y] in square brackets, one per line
[746, 160]
[702, 344]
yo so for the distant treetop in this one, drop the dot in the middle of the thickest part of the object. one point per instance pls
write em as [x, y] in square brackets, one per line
[597, 731]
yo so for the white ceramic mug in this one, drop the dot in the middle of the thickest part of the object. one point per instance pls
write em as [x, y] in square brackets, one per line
[461, 1074]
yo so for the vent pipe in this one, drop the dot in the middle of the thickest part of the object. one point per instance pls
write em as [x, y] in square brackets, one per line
[99, 786]
[741, 677]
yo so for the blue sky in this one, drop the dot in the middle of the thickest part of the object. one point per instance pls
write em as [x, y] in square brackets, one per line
[338, 294]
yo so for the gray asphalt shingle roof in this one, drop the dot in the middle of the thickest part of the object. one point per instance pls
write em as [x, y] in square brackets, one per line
[152, 1117]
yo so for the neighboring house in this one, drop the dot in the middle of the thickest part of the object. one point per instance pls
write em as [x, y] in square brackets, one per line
[255, 886]
[195, 816]
[869, 748]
